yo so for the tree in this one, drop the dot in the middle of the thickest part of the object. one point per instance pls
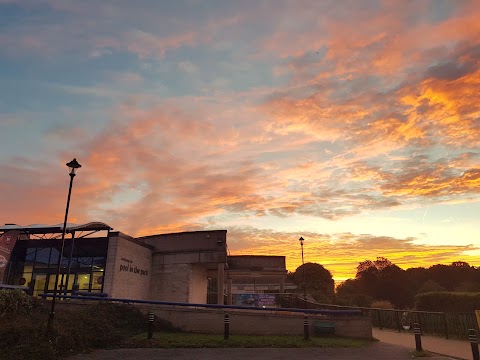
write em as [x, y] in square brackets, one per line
[430, 286]
[378, 264]
[383, 280]
[382, 263]
[462, 264]
[318, 281]
[364, 266]
[351, 293]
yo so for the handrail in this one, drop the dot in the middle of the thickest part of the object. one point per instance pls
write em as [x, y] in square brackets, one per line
[211, 306]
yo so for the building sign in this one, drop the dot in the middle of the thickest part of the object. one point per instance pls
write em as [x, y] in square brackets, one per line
[7, 243]
[129, 267]
[256, 300]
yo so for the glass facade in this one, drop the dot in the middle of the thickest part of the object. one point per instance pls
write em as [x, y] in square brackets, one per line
[33, 263]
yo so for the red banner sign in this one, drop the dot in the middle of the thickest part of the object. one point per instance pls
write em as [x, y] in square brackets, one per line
[7, 242]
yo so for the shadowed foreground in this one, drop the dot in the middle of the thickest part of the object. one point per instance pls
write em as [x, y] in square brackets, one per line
[373, 351]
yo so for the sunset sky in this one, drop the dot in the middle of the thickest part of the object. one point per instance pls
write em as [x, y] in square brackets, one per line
[355, 124]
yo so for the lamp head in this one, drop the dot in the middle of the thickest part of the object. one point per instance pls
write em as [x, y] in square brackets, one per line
[301, 240]
[73, 166]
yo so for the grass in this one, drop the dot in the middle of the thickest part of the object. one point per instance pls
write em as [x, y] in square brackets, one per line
[422, 353]
[191, 340]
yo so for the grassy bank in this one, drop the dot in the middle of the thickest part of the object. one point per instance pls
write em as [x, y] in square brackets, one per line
[189, 340]
[24, 334]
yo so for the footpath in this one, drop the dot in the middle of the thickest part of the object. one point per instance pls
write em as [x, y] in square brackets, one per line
[455, 348]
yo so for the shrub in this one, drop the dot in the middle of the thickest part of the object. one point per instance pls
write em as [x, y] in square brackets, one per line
[75, 329]
[382, 304]
[447, 301]
[360, 300]
[14, 302]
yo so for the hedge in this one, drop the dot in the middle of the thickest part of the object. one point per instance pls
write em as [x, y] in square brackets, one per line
[75, 330]
[448, 301]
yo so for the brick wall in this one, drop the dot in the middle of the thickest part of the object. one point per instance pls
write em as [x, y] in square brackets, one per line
[128, 268]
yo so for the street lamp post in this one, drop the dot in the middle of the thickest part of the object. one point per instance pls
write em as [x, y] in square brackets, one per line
[303, 266]
[73, 166]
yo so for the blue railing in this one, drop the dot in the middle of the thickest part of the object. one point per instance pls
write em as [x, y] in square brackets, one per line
[211, 306]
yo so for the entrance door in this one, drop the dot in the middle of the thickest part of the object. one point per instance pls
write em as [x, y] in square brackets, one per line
[39, 281]
[83, 281]
[62, 280]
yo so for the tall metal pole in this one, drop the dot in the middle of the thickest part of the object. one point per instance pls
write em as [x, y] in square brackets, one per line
[52, 310]
[304, 287]
[303, 267]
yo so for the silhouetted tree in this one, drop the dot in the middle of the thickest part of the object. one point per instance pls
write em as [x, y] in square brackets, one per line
[383, 280]
[430, 286]
[318, 282]
[382, 263]
[364, 266]
[351, 293]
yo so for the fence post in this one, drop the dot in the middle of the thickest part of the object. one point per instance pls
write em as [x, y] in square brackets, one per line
[472, 336]
[151, 318]
[306, 332]
[418, 339]
[399, 324]
[445, 325]
[226, 332]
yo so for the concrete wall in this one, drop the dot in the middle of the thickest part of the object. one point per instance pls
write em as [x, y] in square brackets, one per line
[247, 322]
[198, 285]
[128, 268]
[181, 262]
[179, 282]
[257, 262]
[191, 241]
[170, 282]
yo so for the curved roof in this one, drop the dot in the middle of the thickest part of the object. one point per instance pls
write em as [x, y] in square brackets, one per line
[58, 228]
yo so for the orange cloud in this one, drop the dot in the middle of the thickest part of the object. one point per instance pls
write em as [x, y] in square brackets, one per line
[341, 253]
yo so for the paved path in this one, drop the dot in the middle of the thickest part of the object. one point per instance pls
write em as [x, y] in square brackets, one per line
[375, 351]
[456, 348]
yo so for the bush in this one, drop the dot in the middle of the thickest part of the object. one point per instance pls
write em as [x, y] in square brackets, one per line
[382, 304]
[14, 302]
[360, 300]
[447, 301]
[75, 329]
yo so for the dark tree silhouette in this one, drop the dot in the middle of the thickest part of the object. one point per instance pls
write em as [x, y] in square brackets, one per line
[318, 282]
[383, 280]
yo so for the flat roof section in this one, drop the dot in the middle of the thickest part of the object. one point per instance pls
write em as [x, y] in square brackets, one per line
[55, 229]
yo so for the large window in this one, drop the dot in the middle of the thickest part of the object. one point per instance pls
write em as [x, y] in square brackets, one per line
[34, 263]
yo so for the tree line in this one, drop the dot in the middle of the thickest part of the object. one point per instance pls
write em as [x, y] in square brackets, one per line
[382, 281]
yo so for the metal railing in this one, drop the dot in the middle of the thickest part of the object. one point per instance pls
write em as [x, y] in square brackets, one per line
[345, 312]
[448, 324]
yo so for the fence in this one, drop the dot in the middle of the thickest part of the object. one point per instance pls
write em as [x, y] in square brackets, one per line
[434, 323]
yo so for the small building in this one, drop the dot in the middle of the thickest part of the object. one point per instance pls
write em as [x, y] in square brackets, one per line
[189, 267]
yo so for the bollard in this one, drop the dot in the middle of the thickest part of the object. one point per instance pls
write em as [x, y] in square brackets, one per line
[151, 318]
[306, 332]
[418, 338]
[227, 327]
[472, 336]
[399, 322]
